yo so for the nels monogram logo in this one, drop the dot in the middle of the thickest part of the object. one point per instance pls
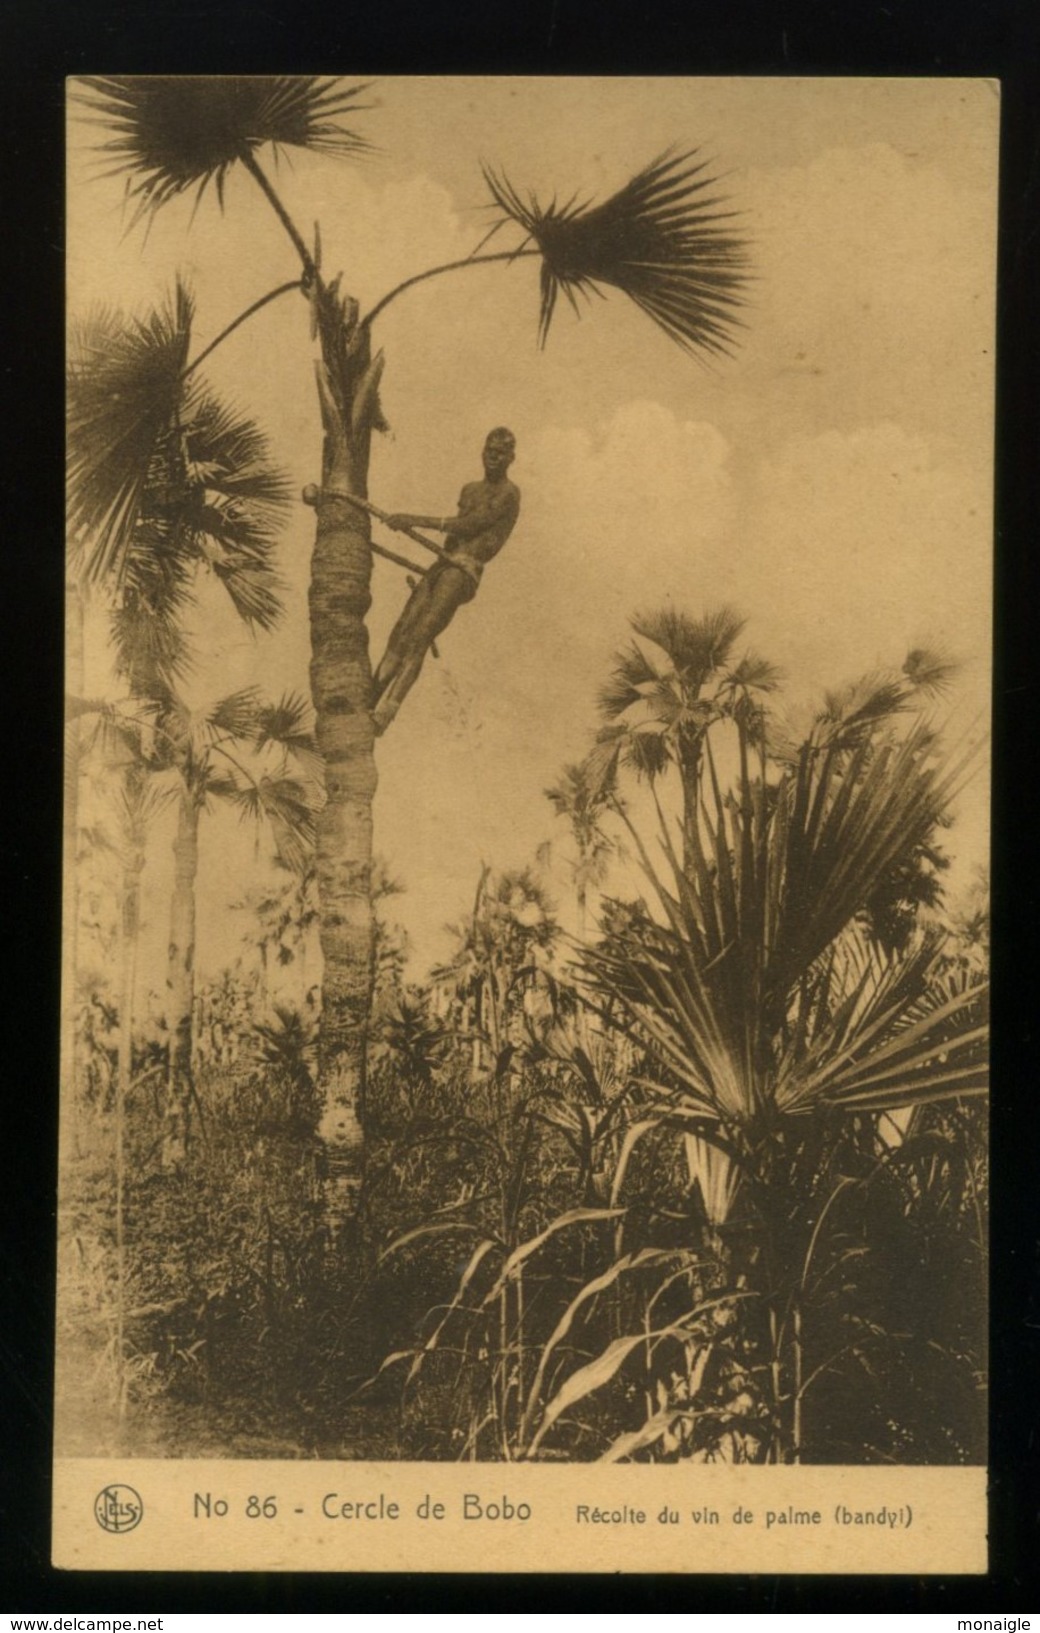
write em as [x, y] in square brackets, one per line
[118, 1508]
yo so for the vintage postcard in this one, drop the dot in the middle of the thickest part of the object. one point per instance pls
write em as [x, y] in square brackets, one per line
[526, 833]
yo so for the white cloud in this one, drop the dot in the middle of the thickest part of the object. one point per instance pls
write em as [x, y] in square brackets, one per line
[874, 287]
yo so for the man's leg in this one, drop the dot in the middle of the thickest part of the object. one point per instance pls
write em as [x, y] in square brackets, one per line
[409, 643]
[406, 631]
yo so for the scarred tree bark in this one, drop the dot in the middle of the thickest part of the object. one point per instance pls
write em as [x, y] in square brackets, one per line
[341, 681]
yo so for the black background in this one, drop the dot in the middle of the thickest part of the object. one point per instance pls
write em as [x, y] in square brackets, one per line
[42, 41]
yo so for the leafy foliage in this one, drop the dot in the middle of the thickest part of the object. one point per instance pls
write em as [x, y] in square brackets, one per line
[176, 133]
[663, 240]
[124, 393]
[163, 477]
[747, 995]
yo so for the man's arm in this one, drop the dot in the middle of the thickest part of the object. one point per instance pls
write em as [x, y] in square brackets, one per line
[466, 523]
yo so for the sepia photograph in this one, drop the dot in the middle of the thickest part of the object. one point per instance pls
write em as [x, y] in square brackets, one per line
[526, 915]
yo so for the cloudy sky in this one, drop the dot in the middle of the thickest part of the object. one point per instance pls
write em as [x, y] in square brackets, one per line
[832, 480]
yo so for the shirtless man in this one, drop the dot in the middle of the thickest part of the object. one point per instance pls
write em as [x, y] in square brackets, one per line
[486, 517]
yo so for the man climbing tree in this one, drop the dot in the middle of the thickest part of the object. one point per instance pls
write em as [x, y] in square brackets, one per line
[486, 517]
[665, 239]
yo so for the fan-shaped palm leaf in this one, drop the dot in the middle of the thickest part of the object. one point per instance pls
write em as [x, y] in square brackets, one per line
[225, 504]
[173, 134]
[284, 725]
[163, 475]
[149, 643]
[662, 240]
[124, 392]
[929, 670]
[227, 455]
[753, 673]
[283, 802]
[632, 671]
[253, 591]
[694, 646]
[236, 716]
[740, 993]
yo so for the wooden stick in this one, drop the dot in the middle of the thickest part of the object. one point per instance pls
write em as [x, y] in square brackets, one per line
[402, 561]
[312, 495]
[384, 516]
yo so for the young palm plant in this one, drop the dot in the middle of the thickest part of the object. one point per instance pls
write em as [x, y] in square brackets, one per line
[773, 1017]
[662, 240]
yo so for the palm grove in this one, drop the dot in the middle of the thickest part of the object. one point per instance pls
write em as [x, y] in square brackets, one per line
[681, 1124]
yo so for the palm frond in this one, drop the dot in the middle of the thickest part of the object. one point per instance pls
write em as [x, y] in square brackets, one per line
[118, 732]
[284, 725]
[284, 804]
[231, 503]
[138, 800]
[172, 134]
[146, 620]
[227, 454]
[941, 1055]
[254, 591]
[124, 393]
[237, 715]
[632, 671]
[929, 670]
[148, 641]
[581, 794]
[647, 753]
[161, 475]
[290, 812]
[851, 713]
[739, 992]
[663, 240]
[601, 762]
[694, 646]
[754, 674]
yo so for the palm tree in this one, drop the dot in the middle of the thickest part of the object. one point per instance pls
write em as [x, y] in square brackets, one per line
[755, 986]
[663, 240]
[200, 752]
[659, 710]
[164, 480]
[584, 800]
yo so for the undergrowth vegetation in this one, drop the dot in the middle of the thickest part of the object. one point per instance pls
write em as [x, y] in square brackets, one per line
[706, 1183]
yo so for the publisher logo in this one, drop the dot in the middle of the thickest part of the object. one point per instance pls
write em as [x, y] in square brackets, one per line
[118, 1508]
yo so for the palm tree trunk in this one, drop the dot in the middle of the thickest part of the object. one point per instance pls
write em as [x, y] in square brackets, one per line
[341, 683]
[689, 774]
[180, 984]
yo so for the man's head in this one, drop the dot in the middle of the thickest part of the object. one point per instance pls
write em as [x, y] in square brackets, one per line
[499, 451]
